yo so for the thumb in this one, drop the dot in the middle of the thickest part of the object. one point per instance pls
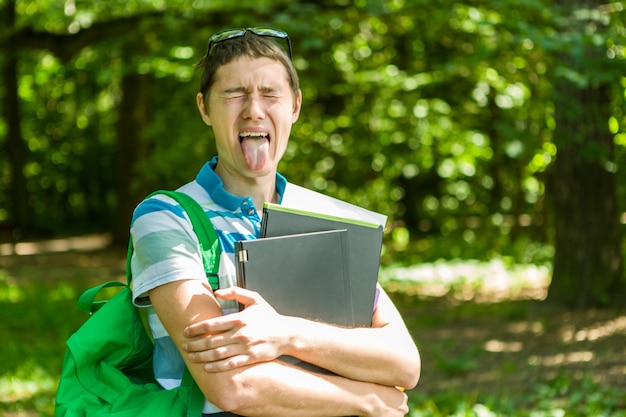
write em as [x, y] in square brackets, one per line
[241, 295]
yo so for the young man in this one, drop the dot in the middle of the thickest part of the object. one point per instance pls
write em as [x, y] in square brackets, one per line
[250, 98]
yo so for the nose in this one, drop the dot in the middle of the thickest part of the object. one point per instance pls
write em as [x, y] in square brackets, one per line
[254, 107]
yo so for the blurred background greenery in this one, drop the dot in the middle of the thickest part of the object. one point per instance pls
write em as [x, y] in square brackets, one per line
[482, 128]
[491, 132]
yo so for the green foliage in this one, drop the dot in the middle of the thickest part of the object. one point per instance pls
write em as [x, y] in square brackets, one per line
[437, 114]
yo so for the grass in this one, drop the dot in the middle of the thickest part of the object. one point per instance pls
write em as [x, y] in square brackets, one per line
[558, 397]
[489, 346]
[35, 319]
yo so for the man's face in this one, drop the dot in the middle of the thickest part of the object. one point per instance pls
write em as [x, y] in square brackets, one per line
[251, 108]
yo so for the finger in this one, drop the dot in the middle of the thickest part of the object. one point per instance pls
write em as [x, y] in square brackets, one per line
[206, 343]
[209, 356]
[241, 295]
[211, 327]
[197, 345]
[226, 364]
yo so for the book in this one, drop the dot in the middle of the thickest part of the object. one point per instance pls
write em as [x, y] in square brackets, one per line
[305, 275]
[300, 198]
[364, 248]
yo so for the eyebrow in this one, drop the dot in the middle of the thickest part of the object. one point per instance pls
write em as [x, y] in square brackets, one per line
[245, 90]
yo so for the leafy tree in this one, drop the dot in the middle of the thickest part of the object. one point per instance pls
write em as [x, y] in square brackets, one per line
[454, 118]
[15, 149]
[588, 262]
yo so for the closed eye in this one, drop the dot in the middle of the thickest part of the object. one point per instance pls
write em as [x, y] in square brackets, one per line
[235, 96]
[236, 92]
[270, 92]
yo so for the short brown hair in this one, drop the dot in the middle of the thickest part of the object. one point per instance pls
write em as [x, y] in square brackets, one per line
[249, 45]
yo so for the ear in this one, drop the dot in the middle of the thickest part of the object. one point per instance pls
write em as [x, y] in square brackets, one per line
[296, 107]
[202, 109]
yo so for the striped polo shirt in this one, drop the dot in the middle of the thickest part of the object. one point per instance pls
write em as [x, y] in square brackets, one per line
[166, 249]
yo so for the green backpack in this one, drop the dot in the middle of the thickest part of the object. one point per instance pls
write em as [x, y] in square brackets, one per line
[107, 369]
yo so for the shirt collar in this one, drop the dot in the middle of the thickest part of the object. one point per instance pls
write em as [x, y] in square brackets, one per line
[213, 184]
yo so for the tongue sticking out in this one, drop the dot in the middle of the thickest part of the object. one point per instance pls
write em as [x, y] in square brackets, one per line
[256, 151]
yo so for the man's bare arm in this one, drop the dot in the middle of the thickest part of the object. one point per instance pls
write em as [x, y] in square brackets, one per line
[384, 354]
[267, 388]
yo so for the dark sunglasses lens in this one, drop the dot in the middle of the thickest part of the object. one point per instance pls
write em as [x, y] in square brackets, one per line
[227, 34]
[274, 33]
[235, 33]
[269, 32]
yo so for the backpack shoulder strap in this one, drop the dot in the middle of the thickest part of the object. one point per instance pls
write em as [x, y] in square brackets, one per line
[210, 247]
[211, 250]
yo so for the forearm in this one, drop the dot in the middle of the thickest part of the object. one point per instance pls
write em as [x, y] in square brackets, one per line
[377, 355]
[276, 389]
[384, 354]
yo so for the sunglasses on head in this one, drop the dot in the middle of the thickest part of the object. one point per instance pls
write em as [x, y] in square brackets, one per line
[237, 33]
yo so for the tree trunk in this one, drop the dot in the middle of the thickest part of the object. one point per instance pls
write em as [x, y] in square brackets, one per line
[588, 270]
[20, 212]
[134, 116]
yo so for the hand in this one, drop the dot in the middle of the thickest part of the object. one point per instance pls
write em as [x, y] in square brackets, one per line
[389, 402]
[256, 334]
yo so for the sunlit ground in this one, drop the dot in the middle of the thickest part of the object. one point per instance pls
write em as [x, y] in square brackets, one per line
[471, 280]
[79, 243]
[487, 339]
[484, 330]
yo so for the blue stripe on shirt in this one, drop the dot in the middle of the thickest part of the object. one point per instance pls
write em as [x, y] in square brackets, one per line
[154, 204]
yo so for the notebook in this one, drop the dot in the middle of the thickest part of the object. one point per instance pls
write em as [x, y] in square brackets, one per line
[305, 275]
[300, 198]
[364, 249]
